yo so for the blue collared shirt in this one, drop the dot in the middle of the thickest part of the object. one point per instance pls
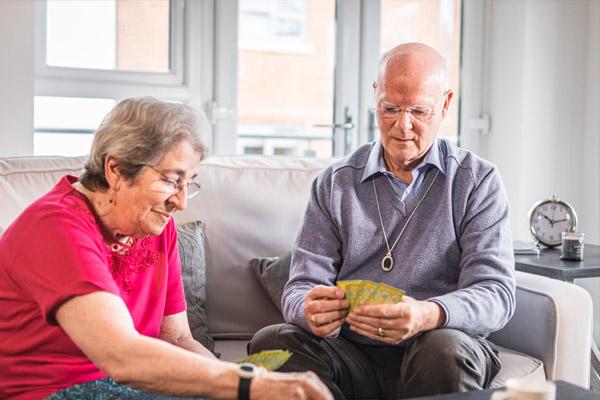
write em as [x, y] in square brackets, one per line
[376, 165]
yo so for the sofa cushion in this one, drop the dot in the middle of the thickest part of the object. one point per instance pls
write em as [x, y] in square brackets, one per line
[252, 207]
[193, 267]
[25, 179]
[517, 365]
[273, 274]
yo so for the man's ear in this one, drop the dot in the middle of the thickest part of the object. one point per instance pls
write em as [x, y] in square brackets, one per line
[447, 98]
[112, 173]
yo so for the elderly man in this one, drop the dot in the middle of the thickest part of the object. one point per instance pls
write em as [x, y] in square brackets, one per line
[415, 212]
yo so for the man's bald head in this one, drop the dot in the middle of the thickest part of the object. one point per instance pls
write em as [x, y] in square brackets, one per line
[415, 61]
[411, 98]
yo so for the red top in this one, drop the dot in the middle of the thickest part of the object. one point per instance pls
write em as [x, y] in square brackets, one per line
[56, 250]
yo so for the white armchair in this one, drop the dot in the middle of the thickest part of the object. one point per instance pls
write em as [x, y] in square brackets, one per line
[553, 323]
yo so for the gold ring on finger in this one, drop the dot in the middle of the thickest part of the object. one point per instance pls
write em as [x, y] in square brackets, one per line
[381, 332]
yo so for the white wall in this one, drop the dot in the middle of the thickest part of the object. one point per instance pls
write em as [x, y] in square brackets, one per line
[543, 96]
[538, 101]
[16, 77]
[591, 159]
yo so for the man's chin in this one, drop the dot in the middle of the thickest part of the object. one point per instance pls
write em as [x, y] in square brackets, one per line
[404, 158]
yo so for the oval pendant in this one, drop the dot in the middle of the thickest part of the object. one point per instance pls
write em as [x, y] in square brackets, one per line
[387, 263]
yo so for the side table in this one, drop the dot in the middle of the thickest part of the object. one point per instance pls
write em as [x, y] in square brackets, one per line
[549, 264]
[564, 391]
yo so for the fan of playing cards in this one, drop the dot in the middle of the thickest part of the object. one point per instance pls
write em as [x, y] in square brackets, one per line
[269, 359]
[359, 292]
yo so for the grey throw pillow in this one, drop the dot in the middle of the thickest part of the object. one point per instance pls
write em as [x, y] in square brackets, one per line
[192, 252]
[273, 274]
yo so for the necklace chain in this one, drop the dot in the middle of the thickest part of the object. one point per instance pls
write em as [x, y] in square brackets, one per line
[388, 257]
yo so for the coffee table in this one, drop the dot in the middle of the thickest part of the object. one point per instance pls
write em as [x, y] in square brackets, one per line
[564, 391]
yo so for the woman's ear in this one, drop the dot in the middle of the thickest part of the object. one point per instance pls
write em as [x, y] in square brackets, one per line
[112, 173]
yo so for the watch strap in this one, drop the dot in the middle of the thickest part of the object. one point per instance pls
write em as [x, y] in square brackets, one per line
[244, 388]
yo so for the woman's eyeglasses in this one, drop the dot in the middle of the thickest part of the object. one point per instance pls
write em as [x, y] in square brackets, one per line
[172, 186]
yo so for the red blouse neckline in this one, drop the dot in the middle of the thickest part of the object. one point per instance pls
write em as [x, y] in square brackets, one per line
[125, 261]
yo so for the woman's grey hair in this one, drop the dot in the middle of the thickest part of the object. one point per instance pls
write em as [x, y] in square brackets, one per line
[141, 131]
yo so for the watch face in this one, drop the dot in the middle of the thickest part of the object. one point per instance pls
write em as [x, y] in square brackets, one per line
[549, 219]
[247, 370]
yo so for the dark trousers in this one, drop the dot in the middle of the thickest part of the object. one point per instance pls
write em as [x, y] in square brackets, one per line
[436, 362]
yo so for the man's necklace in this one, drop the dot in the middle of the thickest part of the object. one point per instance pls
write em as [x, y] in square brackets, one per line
[387, 262]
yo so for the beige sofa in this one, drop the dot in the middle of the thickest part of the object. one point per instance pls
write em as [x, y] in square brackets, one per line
[252, 207]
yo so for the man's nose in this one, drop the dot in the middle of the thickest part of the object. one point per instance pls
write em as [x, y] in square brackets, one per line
[403, 120]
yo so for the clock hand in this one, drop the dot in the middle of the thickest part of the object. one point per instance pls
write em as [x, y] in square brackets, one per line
[549, 220]
[561, 220]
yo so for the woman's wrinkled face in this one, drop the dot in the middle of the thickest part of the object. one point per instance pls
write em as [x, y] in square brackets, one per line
[145, 205]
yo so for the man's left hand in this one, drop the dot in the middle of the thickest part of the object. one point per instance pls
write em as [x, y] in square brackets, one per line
[393, 323]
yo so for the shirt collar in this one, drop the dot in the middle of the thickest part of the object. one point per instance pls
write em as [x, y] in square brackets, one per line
[376, 164]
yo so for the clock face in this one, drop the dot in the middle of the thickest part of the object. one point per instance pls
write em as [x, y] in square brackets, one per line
[550, 219]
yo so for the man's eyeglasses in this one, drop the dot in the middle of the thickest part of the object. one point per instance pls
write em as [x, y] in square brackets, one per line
[393, 111]
[172, 186]
[423, 114]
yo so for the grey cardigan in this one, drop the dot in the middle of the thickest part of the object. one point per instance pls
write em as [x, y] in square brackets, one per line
[456, 250]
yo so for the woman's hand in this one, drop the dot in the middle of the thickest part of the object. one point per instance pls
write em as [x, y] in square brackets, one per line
[393, 323]
[289, 386]
[325, 310]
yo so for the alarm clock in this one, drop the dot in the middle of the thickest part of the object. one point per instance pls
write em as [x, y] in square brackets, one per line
[549, 218]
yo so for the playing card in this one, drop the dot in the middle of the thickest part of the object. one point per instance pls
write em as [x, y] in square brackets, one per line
[269, 359]
[363, 291]
[352, 293]
[389, 293]
[349, 292]
[369, 288]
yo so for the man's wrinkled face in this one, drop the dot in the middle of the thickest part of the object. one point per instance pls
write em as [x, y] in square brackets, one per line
[409, 114]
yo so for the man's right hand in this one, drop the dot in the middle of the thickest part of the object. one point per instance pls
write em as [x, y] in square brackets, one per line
[325, 309]
[289, 385]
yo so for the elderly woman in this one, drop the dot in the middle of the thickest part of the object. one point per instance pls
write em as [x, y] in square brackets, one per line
[90, 283]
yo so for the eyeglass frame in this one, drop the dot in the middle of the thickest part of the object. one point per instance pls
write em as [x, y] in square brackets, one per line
[409, 110]
[177, 186]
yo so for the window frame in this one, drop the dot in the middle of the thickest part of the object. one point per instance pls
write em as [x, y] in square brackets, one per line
[203, 61]
[99, 83]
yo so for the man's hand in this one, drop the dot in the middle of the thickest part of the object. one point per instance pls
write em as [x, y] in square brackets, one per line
[393, 323]
[325, 309]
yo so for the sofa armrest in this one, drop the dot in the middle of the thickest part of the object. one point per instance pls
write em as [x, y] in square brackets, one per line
[552, 322]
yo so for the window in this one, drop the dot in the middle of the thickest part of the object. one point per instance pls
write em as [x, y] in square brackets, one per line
[65, 125]
[108, 34]
[283, 93]
[91, 53]
[274, 25]
[318, 102]
[275, 77]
